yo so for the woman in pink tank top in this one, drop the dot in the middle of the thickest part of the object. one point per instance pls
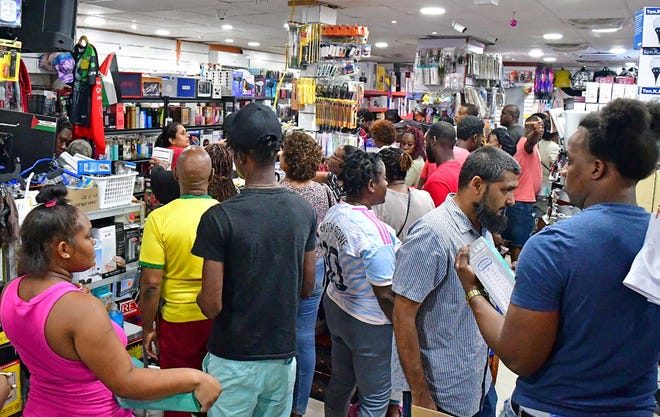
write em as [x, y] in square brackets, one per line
[75, 354]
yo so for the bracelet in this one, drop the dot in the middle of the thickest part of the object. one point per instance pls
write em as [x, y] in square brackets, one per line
[473, 293]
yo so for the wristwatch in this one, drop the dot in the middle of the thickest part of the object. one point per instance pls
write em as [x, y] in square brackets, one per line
[473, 293]
[8, 375]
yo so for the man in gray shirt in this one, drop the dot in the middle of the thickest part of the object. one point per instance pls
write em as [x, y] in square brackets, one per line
[509, 119]
[444, 357]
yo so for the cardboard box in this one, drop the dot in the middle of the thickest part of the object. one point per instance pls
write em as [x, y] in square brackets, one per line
[118, 111]
[86, 199]
[605, 92]
[186, 87]
[649, 67]
[649, 93]
[647, 28]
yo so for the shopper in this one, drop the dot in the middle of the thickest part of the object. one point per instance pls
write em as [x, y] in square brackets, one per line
[470, 133]
[383, 134]
[521, 215]
[412, 142]
[76, 355]
[442, 352]
[258, 250]
[440, 141]
[359, 261]
[365, 120]
[392, 115]
[63, 135]
[332, 176]
[500, 138]
[509, 119]
[549, 152]
[174, 137]
[221, 186]
[172, 274]
[403, 205]
[582, 342]
[466, 109]
[300, 157]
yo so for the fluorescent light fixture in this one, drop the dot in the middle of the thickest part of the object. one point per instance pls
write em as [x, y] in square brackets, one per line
[134, 26]
[606, 30]
[227, 27]
[94, 21]
[549, 59]
[434, 33]
[552, 36]
[228, 40]
[618, 50]
[393, 21]
[253, 44]
[432, 11]
[380, 44]
[536, 53]
[162, 32]
[286, 26]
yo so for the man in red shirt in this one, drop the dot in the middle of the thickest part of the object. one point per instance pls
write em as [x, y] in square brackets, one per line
[440, 140]
[521, 215]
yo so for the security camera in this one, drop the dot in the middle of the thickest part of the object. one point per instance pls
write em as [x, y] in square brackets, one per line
[458, 27]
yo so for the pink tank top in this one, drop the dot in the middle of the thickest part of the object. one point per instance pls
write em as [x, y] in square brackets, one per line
[58, 387]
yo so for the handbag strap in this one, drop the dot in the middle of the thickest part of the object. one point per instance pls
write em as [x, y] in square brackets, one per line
[407, 213]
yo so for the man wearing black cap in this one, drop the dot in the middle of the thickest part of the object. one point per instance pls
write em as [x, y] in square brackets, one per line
[258, 251]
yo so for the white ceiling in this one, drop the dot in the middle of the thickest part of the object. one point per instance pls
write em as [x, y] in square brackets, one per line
[263, 20]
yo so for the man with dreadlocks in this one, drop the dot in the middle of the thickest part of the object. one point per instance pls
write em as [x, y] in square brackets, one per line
[171, 272]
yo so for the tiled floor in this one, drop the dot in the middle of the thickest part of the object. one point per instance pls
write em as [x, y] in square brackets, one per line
[506, 381]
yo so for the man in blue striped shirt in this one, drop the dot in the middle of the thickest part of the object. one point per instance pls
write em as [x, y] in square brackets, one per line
[444, 357]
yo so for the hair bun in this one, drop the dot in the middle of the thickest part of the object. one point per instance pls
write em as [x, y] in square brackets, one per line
[52, 192]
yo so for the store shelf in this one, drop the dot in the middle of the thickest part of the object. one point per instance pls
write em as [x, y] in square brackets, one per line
[372, 93]
[131, 271]
[378, 109]
[170, 99]
[246, 98]
[156, 129]
[114, 211]
[399, 93]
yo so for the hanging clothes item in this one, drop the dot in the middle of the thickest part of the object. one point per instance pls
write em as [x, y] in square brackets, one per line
[25, 85]
[95, 131]
[110, 77]
[84, 80]
[563, 78]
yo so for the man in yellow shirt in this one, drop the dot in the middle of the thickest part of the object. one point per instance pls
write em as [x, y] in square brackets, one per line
[171, 273]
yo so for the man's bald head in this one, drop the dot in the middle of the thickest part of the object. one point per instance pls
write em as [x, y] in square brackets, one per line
[193, 170]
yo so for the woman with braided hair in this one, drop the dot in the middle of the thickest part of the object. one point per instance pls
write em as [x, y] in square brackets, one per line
[221, 186]
[359, 264]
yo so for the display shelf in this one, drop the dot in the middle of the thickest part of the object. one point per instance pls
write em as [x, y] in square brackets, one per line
[246, 98]
[170, 99]
[131, 271]
[378, 109]
[114, 211]
[399, 94]
[372, 93]
[157, 129]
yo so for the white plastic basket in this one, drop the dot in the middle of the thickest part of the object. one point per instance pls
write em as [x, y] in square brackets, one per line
[115, 190]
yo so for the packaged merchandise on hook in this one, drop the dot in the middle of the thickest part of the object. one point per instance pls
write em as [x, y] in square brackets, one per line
[10, 58]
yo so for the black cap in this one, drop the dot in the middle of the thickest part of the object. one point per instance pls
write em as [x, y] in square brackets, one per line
[227, 124]
[253, 123]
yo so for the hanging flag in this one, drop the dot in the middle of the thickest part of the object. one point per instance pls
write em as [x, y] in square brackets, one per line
[110, 77]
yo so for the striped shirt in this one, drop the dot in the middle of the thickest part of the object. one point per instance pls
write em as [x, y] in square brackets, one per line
[454, 354]
[359, 252]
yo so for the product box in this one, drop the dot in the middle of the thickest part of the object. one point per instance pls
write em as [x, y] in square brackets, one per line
[131, 84]
[132, 239]
[152, 86]
[237, 83]
[186, 87]
[204, 88]
[118, 111]
[631, 91]
[649, 67]
[169, 86]
[86, 199]
[605, 92]
[591, 92]
[649, 93]
[647, 28]
[367, 72]
[14, 403]
[107, 236]
[618, 91]
[381, 75]
[248, 85]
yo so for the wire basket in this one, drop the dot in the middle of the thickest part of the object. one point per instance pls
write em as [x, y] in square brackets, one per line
[115, 190]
